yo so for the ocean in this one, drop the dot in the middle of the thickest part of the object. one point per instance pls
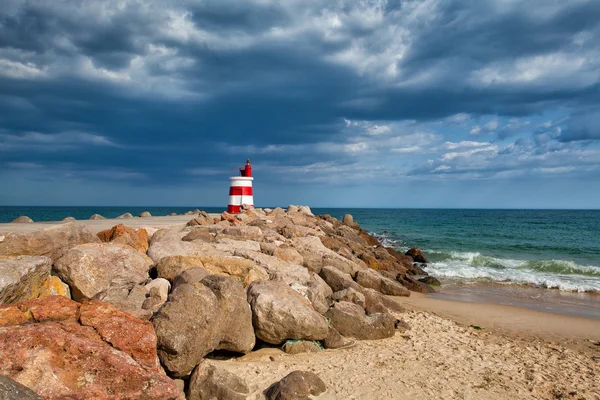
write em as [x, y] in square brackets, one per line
[557, 249]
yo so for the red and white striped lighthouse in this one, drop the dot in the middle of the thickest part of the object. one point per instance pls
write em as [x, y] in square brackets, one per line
[240, 190]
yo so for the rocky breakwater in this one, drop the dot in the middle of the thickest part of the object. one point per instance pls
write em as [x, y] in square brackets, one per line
[140, 314]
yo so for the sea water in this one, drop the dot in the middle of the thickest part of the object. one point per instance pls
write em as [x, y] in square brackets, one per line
[542, 248]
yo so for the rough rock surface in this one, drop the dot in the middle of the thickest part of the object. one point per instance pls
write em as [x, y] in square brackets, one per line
[63, 349]
[296, 385]
[92, 269]
[53, 286]
[417, 255]
[97, 216]
[280, 313]
[23, 219]
[22, 277]
[201, 317]
[120, 234]
[11, 390]
[53, 242]
[350, 320]
[372, 279]
[336, 341]
[209, 381]
[145, 214]
[68, 219]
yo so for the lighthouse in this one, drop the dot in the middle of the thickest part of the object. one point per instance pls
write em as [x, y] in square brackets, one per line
[240, 190]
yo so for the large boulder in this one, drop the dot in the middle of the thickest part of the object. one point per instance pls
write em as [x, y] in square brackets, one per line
[120, 234]
[239, 268]
[296, 385]
[22, 277]
[209, 381]
[350, 320]
[92, 269]
[53, 242]
[12, 390]
[201, 317]
[63, 349]
[316, 255]
[280, 313]
[202, 219]
[23, 219]
[372, 279]
[145, 214]
[125, 216]
[97, 216]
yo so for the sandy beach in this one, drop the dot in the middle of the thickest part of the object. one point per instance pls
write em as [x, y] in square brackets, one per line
[518, 354]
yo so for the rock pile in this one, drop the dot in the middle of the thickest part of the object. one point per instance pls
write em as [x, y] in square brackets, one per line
[140, 304]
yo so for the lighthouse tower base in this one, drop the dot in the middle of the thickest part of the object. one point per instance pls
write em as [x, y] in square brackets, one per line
[240, 193]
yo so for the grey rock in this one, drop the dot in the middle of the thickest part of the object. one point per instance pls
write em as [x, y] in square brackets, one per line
[350, 320]
[292, 209]
[68, 219]
[53, 242]
[201, 317]
[191, 275]
[22, 277]
[298, 385]
[125, 216]
[351, 295]
[12, 390]
[336, 341]
[97, 216]
[280, 313]
[145, 214]
[372, 279]
[91, 270]
[306, 211]
[209, 381]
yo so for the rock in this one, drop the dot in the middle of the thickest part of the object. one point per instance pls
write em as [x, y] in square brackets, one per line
[372, 279]
[292, 209]
[69, 350]
[162, 287]
[350, 320]
[145, 214]
[306, 211]
[348, 220]
[120, 234]
[173, 215]
[401, 326]
[202, 219]
[268, 210]
[125, 216]
[23, 219]
[92, 269]
[191, 275]
[201, 317]
[196, 211]
[53, 286]
[241, 233]
[336, 341]
[208, 381]
[430, 280]
[296, 385]
[52, 242]
[280, 313]
[417, 255]
[414, 285]
[131, 301]
[351, 295]
[301, 346]
[336, 279]
[277, 211]
[313, 250]
[375, 302]
[11, 390]
[226, 245]
[68, 219]
[287, 253]
[241, 269]
[97, 216]
[199, 234]
[22, 277]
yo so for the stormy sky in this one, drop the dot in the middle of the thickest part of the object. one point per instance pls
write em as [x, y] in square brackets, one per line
[416, 103]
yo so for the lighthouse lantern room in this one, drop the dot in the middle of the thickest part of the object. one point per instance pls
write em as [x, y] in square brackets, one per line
[240, 190]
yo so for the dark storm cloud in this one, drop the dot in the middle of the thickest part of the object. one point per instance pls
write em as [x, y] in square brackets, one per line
[185, 86]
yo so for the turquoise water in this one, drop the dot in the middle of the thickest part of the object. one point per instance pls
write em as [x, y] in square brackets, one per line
[544, 248]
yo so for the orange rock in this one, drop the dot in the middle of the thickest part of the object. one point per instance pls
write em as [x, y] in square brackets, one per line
[53, 286]
[120, 234]
[63, 349]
